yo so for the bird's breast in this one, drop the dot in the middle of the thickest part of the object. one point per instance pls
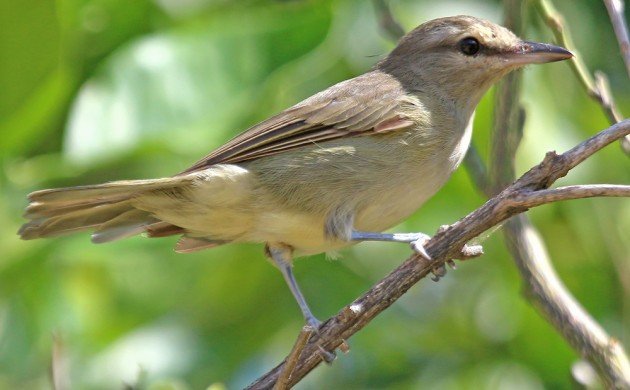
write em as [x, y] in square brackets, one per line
[380, 179]
[412, 183]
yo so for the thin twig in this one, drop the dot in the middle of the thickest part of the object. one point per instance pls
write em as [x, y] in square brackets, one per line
[615, 11]
[477, 170]
[546, 291]
[387, 21]
[445, 245]
[540, 197]
[59, 369]
[561, 32]
[289, 363]
[509, 116]
[600, 92]
[509, 119]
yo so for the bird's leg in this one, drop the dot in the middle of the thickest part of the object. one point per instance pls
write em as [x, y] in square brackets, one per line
[416, 240]
[281, 257]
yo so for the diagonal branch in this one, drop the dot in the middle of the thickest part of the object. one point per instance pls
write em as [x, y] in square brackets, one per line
[387, 21]
[615, 11]
[546, 291]
[596, 88]
[291, 360]
[476, 168]
[446, 245]
[555, 22]
[509, 115]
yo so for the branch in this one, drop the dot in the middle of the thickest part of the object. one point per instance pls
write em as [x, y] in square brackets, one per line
[444, 246]
[615, 11]
[59, 365]
[477, 170]
[561, 32]
[541, 284]
[509, 116]
[387, 21]
[546, 291]
[598, 89]
[291, 360]
[538, 198]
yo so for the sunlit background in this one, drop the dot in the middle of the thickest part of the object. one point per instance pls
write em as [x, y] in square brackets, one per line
[97, 90]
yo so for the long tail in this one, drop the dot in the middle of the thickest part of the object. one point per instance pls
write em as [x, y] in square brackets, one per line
[107, 209]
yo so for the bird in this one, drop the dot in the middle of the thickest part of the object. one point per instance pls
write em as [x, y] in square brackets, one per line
[335, 169]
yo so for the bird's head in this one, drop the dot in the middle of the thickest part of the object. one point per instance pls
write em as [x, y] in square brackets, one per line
[462, 56]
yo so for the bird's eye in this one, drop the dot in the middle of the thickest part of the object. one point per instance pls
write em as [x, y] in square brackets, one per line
[469, 46]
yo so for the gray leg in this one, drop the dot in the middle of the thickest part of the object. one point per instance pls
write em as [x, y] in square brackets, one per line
[417, 240]
[281, 257]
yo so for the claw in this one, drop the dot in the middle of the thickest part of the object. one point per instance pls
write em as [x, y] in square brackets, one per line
[418, 247]
[327, 356]
[438, 272]
[314, 324]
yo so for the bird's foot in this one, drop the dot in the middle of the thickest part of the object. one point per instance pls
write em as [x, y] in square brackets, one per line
[313, 323]
[418, 246]
[438, 272]
[327, 356]
[467, 252]
[417, 242]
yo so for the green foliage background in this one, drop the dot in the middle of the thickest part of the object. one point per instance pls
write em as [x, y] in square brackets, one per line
[97, 90]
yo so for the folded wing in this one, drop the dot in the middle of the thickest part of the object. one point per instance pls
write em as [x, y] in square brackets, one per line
[364, 105]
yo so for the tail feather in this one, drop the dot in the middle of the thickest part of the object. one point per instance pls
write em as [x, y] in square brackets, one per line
[73, 221]
[127, 224]
[46, 210]
[192, 244]
[106, 192]
[60, 200]
[106, 208]
[163, 229]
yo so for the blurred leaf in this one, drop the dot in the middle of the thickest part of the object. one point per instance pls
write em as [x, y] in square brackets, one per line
[188, 81]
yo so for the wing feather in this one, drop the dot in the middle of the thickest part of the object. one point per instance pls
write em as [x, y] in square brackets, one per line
[346, 109]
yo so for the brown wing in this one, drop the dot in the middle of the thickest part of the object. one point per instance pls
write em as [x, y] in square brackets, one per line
[367, 104]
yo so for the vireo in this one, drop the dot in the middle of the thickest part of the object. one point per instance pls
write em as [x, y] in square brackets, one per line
[333, 170]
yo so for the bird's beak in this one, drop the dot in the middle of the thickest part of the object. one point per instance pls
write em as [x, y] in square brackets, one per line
[537, 53]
